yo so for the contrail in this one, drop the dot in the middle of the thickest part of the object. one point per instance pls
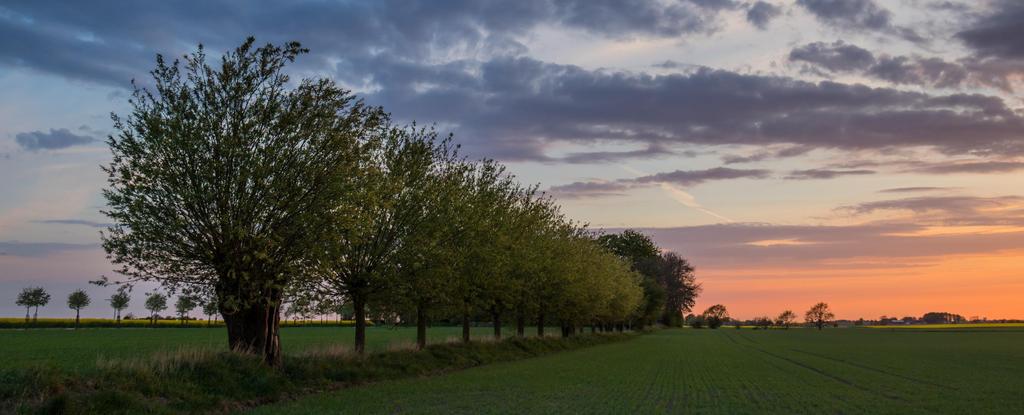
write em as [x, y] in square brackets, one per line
[679, 195]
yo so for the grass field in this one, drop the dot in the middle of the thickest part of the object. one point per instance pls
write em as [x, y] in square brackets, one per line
[724, 371]
[80, 349]
[971, 326]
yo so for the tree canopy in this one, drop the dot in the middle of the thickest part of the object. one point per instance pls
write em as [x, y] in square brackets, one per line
[232, 180]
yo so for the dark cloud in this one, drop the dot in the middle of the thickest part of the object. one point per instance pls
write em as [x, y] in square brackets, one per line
[786, 151]
[741, 245]
[588, 189]
[653, 151]
[818, 174]
[685, 178]
[414, 59]
[918, 189]
[959, 209]
[981, 167]
[525, 103]
[688, 178]
[835, 57]
[40, 249]
[755, 244]
[54, 140]
[999, 33]
[761, 13]
[840, 57]
[858, 15]
[80, 222]
[112, 42]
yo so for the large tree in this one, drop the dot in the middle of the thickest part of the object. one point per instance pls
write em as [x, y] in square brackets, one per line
[393, 199]
[675, 276]
[819, 315]
[226, 178]
[78, 300]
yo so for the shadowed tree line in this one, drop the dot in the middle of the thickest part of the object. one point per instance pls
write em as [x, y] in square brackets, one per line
[231, 181]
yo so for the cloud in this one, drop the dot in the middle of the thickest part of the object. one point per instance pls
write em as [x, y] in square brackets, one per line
[980, 167]
[858, 15]
[740, 245]
[835, 57]
[918, 189]
[761, 13]
[81, 222]
[825, 174]
[53, 140]
[683, 178]
[516, 106]
[998, 33]
[958, 209]
[112, 42]
[39, 249]
[590, 189]
[688, 178]
[652, 151]
[839, 57]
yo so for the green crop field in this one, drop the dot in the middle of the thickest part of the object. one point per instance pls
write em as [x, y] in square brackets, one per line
[80, 349]
[724, 371]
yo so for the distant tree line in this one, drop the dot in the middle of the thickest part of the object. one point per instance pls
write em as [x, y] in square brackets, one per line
[234, 183]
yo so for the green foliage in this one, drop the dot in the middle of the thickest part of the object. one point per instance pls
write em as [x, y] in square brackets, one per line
[119, 301]
[78, 300]
[155, 303]
[232, 180]
[32, 298]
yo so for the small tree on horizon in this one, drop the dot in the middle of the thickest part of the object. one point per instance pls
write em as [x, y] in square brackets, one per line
[820, 315]
[715, 316]
[33, 298]
[155, 303]
[211, 310]
[785, 319]
[184, 305]
[77, 301]
[119, 301]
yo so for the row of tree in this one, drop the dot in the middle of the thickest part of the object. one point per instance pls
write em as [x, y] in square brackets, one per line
[235, 183]
[34, 297]
[819, 315]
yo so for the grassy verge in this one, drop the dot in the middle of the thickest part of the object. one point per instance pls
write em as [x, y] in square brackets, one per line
[207, 382]
[57, 323]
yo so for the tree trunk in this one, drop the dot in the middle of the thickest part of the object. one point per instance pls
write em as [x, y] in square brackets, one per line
[521, 325]
[359, 304]
[27, 309]
[256, 329]
[35, 315]
[421, 326]
[497, 323]
[593, 328]
[465, 327]
[540, 325]
[78, 313]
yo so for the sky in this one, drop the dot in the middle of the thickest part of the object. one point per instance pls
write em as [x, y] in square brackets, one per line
[866, 153]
